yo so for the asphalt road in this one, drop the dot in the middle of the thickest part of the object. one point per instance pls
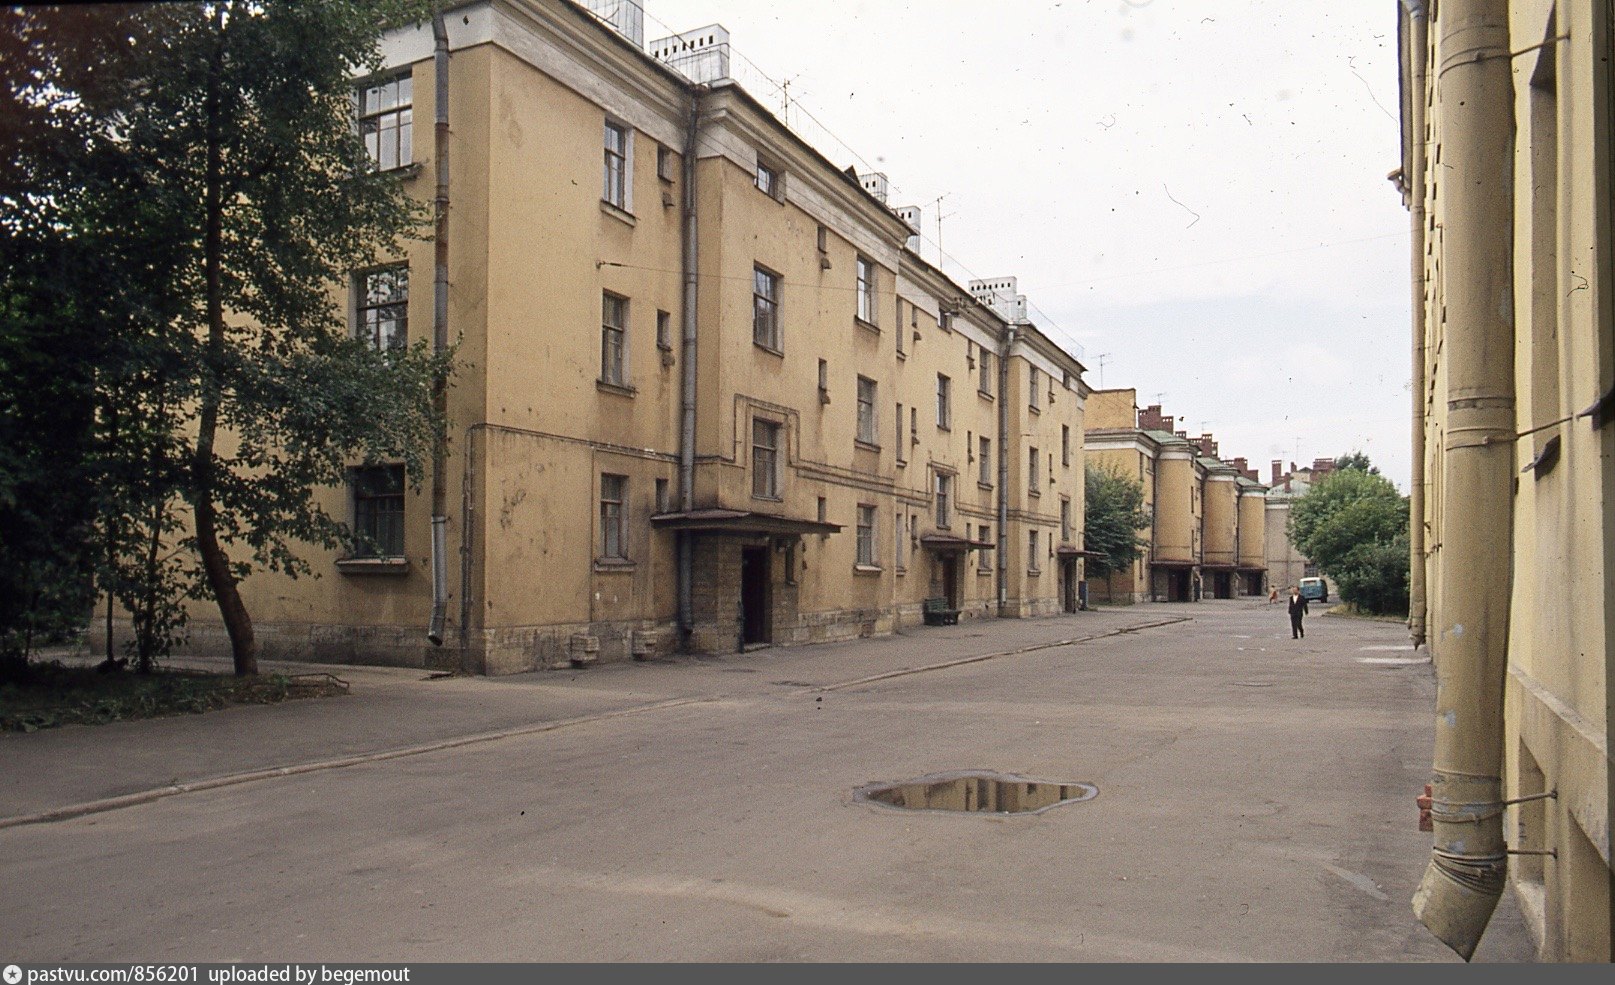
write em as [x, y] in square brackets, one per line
[1255, 804]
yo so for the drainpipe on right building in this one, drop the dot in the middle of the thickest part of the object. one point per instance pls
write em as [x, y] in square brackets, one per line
[1412, 181]
[1473, 88]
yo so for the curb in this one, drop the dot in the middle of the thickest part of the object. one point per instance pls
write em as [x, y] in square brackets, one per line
[252, 776]
[980, 657]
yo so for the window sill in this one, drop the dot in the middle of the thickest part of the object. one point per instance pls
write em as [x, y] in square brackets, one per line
[983, 394]
[619, 389]
[373, 566]
[1034, 409]
[768, 499]
[614, 565]
[902, 355]
[987, 486]
[866, 570]
[944, 427]
[617, 212]
[866, 445]
[1033, 572]
[902, 463]
[867, 326]
[770, 350]
[985, 572]
[1034, 494]
[409, 170]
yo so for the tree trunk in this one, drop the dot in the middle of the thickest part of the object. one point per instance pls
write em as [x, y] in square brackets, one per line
[243, 645]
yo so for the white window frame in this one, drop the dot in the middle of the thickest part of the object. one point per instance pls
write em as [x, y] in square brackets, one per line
[765, 322]
[944, 500]
[618, 193]
[866, 550]
[371, 312]
[765, 474]
[868, 423]
[375, 113]
[613, 516]
[866, 281]
[613, 339]
[944, 402]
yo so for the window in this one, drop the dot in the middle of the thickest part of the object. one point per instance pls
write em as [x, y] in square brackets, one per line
[1033, 391]
[613, 330]
[765, 308]
[615, 189]
[1065, 521]
[1031, 473]
[383, 313]
[1031, 552]
[824, 381]
[824, 510]
[662, 502]
[866, 291]
[824, 240]
[613, 517]
[984, 554]
[985, 457]
[664, 163]
[769, 180]
[386, 122]
[944, 321]
[902, 455]
[901, 541]
[944, 402]
[378, 511]
[764, 459]
[866, 535]
[914, 425]
[986, 384]
[664, 331]
[944, 500]
[900, 333]
[867, 432]
[1065, 444]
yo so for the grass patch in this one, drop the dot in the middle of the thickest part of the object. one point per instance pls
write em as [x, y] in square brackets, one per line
[45, 695]
[1351, 611]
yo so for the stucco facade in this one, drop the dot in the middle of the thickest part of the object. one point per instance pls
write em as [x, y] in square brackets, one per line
[856, 438]
[1507, 138]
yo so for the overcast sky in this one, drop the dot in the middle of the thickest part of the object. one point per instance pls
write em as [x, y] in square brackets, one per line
[1193, 191]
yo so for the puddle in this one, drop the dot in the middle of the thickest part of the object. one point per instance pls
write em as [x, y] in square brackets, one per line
[977, 792]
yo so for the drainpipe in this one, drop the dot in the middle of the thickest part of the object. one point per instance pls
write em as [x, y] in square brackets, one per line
[440, 339]
[1469, 864]
[1003, 469]
[1413, 179]
[686, 546]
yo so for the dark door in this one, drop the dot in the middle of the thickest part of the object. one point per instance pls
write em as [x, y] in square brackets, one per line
[754, 591]
[950, 579]
[1225, 585]
[1068, 584]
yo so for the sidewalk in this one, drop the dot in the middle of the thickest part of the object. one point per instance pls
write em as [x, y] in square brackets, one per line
[391, 711]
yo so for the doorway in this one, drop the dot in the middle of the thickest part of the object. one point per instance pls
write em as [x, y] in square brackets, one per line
[755, 596]
[1068, 585]
[950, 579]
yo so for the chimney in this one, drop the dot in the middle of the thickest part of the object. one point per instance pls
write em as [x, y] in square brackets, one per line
[1278, 470]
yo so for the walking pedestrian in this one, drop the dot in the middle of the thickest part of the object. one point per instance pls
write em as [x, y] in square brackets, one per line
[1273, 595]
[1298, 608]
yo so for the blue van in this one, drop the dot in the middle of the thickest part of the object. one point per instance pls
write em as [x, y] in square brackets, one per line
[1315, 590]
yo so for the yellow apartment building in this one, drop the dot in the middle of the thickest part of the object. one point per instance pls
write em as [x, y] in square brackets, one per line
[1207, 535]
[1507, 132]
[709, 396]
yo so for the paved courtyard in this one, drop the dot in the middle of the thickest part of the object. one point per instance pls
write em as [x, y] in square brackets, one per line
[1255, 804]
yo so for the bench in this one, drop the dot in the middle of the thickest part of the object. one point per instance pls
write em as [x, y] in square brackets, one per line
[937, 612]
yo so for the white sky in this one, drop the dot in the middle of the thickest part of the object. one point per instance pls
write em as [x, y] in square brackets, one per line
[1270, 307]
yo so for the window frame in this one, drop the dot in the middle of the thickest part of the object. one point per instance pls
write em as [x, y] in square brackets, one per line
[985, 554]
[866, 554]
[775, 180]
[765, 474]
[944, 402]
[763, 304]
[617, 193]
[366, 545]
[984, 476]
[402, 110]
[613, 340]
[943, 492]
[868, 416]
[613, 517]
[363, 326]
[866, 278]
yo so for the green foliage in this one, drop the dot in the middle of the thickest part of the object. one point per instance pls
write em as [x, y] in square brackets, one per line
[1113, 516]
[1356, 460]
[45, 695]
[185, 193]
[1353, 525]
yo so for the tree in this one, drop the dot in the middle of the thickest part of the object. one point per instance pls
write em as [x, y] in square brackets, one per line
[1356, 460]
[243, 196]
[1352, 524]
[1113, 516]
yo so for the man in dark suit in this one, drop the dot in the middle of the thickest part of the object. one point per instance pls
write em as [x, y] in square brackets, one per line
[1298, 608]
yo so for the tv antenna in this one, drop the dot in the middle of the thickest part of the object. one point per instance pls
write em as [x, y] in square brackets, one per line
[1101, 358]
[937, 204]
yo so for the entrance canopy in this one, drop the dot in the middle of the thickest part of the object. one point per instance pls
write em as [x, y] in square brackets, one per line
[1077, 552]
[949, 544]
[741, 523]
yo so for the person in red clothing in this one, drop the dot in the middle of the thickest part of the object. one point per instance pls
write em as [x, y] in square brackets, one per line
[1298, 608]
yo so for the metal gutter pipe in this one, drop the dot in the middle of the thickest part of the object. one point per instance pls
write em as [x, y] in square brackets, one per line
[440, 337]
[1002, 575]
[1413, 181]
[690, 258]
[1474, 90]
